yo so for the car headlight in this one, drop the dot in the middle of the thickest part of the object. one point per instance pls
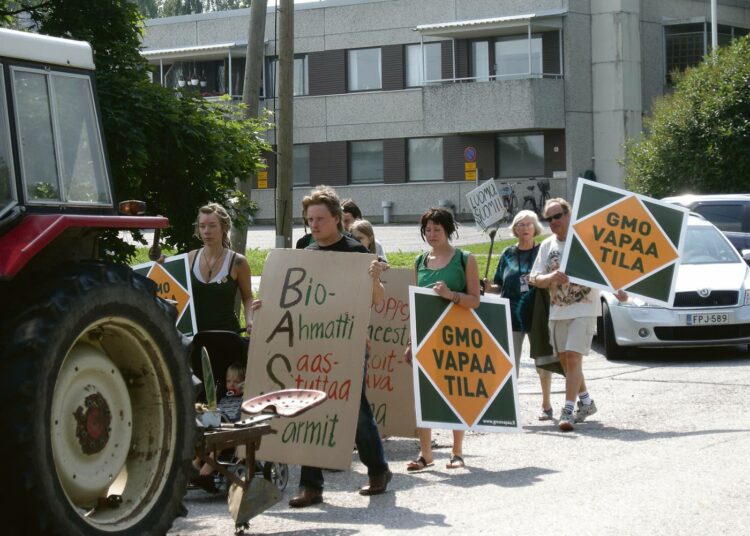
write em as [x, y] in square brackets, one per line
[634, 301]
[747, 297]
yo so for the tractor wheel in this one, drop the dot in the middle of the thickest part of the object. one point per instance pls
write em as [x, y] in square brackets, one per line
[97, 408]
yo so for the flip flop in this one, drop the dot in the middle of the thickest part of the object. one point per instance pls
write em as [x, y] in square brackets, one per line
[418, 465]
[456, 462]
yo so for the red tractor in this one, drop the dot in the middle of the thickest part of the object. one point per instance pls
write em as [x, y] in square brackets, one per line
[95, 391]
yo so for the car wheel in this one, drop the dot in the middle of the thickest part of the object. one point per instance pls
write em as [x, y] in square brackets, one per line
[612, 350]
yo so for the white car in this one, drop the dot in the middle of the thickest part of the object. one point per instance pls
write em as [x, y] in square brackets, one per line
[711, 305]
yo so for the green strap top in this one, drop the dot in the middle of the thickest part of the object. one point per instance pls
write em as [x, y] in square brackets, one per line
[214, 302]
[453, 273]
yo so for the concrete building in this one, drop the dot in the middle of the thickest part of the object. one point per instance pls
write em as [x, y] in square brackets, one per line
[393, 97]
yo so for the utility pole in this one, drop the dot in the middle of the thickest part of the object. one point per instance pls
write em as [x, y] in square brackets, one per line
[714, 28]
[285, 126]
[251, 99]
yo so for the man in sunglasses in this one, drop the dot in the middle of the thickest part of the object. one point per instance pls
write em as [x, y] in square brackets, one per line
[573, 312]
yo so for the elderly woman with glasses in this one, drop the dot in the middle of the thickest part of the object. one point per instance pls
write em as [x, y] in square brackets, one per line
[512, 281]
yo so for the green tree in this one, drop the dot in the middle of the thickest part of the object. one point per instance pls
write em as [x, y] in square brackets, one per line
[148, 8]
[170, 8]
[173, 150]
[698, 138]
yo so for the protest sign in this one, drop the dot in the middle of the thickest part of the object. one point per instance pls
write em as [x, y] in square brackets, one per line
[486, 204]
[172, 278]
[311, 333]
[621, 240]
[463, 373]
[389, 385]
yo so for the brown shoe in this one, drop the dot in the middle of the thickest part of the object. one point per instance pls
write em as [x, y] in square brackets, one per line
[378, 484]
[306, 497]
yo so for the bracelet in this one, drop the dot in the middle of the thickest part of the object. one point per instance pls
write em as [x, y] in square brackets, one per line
[456, 298]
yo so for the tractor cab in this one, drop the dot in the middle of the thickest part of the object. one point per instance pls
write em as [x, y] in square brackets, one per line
[55, 186]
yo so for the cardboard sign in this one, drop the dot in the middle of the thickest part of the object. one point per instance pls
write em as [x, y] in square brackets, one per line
[486, 204]
[173, 280]
[463, 370]
[310, 333]
[621, 240]
[390, 390]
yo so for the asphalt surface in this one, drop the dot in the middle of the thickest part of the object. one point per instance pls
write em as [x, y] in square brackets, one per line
[667, 454]
[401, 237]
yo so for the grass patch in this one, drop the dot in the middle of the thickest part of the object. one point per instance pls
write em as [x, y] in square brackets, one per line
[256, 257]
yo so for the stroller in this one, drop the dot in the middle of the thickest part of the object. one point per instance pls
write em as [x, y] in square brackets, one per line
[225, 348]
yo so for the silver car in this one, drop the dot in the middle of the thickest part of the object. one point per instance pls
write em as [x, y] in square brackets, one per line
[711, 305]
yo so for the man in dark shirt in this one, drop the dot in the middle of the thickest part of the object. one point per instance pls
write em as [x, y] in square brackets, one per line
[322, 210]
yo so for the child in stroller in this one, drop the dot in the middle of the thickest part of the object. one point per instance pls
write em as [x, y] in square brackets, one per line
[227, 347]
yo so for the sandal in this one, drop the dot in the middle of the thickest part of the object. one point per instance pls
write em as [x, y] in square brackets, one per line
[456, 462]
[545, 415]
[418, 464]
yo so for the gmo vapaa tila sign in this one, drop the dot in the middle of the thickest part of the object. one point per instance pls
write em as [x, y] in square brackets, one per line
[172, 278]
[462, 370]
[621, 240]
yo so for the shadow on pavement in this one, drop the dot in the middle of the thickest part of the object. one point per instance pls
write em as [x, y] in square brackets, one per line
[383, 512]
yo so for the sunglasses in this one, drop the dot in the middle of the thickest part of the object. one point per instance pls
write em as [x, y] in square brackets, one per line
[555, 216]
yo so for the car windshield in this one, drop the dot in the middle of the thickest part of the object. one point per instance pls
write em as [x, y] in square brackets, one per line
[706, 245]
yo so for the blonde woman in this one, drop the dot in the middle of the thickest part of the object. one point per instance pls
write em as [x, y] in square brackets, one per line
[218, 273]
[362, 230]
[512, 281]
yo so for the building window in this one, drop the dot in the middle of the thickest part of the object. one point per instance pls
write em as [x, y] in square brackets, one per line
[480, 60]
[366, 158]
[416, 72]
[686, 44]
[425, 157]
[520, 155]
[512, 56]
[300, 78]
[364, 69]
[301, 165]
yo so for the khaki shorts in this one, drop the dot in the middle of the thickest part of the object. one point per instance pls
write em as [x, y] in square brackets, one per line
[574, 335]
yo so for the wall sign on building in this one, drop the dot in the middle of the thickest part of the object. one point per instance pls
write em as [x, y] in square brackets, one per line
[621, 240]
[470, 163]
[462, 370]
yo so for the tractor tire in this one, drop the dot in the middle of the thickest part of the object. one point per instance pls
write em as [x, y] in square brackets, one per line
[97, 407]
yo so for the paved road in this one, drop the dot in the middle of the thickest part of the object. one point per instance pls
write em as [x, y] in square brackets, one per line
[403, 237]
[667, 454]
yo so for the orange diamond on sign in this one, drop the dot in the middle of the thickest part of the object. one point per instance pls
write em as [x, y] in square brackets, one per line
[169, 288]
[625, 242]
[464, 362]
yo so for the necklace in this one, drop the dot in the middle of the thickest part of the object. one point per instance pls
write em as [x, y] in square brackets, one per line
[212, 264]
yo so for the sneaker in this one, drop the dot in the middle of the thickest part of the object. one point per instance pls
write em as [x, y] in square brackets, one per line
[566, 420]
[545, 415]
[585, 411]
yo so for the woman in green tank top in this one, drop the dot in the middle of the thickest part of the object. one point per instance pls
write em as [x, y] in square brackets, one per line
[453, 274]
[217, 273]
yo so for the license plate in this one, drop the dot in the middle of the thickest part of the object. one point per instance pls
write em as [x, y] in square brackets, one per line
[707, 319]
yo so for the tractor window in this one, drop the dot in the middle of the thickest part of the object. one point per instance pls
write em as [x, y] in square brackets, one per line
[84, 177]
[7, 183]
[59, 142]
[36, 142]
